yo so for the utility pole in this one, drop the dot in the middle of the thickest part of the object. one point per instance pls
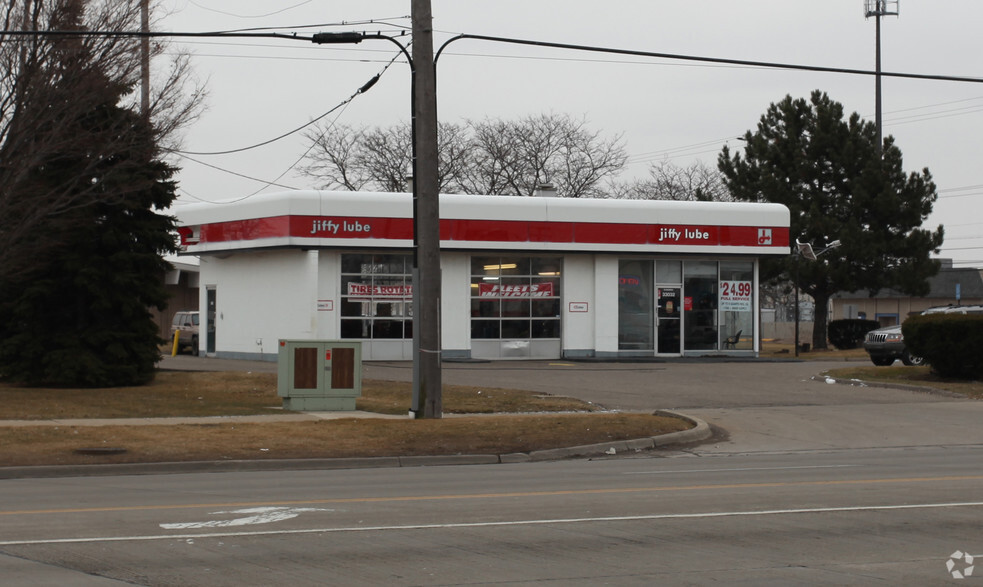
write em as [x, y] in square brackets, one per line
[426, 322]
[877, 9]
[145, 58]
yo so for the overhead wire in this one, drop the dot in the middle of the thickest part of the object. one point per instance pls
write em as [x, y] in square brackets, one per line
[361, 90]
[342, 105]
[274, 13]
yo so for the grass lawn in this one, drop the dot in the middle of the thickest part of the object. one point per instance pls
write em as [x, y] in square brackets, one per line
[523, 421]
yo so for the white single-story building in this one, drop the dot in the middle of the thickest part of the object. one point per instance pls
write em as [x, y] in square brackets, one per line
[521, 277]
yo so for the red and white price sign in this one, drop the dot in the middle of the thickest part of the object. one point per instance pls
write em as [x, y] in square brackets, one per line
[735, 296]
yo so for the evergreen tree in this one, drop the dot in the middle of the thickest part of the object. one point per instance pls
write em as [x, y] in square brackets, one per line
[829, 174]
[80, 314]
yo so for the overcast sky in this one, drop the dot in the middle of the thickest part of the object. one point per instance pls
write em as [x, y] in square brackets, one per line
[665, 110]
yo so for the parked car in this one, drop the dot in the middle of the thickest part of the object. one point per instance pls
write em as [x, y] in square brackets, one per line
[187, 324]
[885, 345]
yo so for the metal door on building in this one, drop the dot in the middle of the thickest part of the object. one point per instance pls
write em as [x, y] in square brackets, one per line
[212, 315]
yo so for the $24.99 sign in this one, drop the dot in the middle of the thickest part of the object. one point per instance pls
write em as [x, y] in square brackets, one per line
[735, 296]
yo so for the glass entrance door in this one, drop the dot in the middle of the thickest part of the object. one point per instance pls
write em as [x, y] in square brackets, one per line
[668, 323]
[649, 306]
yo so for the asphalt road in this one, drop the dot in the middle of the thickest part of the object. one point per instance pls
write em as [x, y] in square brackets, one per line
[874, 516]
[807, 483]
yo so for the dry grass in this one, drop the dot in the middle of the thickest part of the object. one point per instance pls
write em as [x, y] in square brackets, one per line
[191, 394]
[229, 393]
[366, 437]
[919, 376]
[787, 350]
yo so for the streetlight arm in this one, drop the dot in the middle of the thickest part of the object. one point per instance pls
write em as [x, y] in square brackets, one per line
[354, 38]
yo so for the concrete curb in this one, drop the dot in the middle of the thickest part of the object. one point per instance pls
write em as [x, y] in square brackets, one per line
[884, 385]
[700, 431]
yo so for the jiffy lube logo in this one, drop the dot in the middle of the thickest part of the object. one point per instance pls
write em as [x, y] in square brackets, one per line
[960, 565]
[686, 234]
[334, 227]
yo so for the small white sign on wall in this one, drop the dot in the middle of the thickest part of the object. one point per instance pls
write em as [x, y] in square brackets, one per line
[325, 305]
[578, 307]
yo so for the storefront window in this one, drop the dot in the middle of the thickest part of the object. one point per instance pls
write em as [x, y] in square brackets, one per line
[669, 271]
[376, 296]
[515, 297]
[736, 305]
[636, 318]
[700, 305]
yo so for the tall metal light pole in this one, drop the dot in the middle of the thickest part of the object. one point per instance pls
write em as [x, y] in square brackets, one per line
[877, 9]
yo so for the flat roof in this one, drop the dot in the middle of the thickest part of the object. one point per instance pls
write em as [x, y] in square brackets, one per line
[331, 219]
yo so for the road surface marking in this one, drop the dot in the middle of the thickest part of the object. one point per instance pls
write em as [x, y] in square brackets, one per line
[503, 495]
[677, 471]
[260, 515]
[451, 526]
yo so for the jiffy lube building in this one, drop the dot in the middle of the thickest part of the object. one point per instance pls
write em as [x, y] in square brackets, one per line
[521, 277]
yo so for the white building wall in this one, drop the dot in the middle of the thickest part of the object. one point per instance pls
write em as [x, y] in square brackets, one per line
[455, 304]
[328, 295]
[261, 297]
[606, 292]
[577, 295]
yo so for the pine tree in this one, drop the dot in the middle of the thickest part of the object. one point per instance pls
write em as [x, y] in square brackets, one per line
[80, 315]
[829, 174]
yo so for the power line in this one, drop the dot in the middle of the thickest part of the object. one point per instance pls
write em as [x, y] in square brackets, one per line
[247, 33]
[236, 173]
[962, 188]
[274, 13]
[365, 87]
[283, 58]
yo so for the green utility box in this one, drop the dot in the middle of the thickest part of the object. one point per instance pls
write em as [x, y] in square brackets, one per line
[319, 375]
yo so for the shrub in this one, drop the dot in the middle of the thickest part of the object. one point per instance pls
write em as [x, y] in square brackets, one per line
[950, 343]
[849, 333]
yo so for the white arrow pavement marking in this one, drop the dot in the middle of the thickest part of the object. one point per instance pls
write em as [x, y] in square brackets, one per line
[261, 515]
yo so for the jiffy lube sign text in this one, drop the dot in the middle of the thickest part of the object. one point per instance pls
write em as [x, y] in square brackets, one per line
[332, 227]
[685, 235]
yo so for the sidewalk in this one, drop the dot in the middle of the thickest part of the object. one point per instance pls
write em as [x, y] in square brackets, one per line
[256, 419]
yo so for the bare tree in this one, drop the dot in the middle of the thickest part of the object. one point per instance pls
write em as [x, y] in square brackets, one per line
[493, 156]
[516, 157]
[47, 80]
[668, 181]
[335, 160]
[492, 160]
[378, 158]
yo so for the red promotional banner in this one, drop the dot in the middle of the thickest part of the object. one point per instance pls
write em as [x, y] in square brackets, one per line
[535, 290]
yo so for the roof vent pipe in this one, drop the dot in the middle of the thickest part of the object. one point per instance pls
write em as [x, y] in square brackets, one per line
[544, 190]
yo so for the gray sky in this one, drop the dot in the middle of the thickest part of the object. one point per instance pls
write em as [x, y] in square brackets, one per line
[666, 110]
